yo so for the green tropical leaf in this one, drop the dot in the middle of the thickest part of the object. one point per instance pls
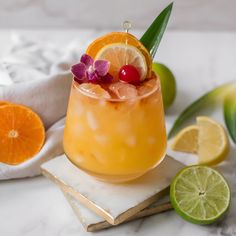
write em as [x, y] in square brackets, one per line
[152, 37]
[208, 100]
[230, 114]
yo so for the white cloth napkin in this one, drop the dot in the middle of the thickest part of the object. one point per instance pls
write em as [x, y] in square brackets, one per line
[37, 75]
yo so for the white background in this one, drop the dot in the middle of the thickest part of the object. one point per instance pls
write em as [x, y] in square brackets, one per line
[64, 14]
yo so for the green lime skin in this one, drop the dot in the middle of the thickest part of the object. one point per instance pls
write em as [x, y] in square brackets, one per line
[168, 83]
[200, 195]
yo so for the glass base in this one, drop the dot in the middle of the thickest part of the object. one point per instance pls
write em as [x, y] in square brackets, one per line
[115, 178]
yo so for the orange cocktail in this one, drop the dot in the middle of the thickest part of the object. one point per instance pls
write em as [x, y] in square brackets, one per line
[115, 126]
[115, 139]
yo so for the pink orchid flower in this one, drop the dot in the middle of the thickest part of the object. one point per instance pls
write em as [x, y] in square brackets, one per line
[91, 71]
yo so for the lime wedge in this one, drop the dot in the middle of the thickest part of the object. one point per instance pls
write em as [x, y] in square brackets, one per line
[200, 195]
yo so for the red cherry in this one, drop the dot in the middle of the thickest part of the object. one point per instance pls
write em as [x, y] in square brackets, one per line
[129, 73]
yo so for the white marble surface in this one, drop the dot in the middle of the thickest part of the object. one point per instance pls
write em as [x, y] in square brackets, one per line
[36, 207]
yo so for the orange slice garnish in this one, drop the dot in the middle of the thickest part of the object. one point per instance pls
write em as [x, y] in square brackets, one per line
[119, 54]
[22, 134]
[118, 38]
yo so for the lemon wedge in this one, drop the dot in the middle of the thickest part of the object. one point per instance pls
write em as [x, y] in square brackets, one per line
[208, 139]
[186, 140]
[213, 142]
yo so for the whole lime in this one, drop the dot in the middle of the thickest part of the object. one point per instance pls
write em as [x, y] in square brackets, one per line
[168, 83]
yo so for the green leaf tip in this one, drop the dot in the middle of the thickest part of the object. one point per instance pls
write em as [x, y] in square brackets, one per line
[230, 115]
[152, 37]
[207, 100]
[190, 111]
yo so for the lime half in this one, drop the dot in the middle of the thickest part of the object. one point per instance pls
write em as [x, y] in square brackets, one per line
[200, 194]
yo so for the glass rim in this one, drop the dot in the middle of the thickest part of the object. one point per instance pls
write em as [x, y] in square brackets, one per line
[156, 88]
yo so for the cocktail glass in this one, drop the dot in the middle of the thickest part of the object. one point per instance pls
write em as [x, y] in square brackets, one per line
[116, 140]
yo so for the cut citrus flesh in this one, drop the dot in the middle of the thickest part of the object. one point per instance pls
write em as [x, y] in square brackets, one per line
[200, 194]
[121, 38]
[186, 140]
[22, 134]
[213, 143]
[121, 54]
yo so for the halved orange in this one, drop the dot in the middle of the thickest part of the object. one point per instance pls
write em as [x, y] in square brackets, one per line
[22, 134]
[2, 103]
[115, 38]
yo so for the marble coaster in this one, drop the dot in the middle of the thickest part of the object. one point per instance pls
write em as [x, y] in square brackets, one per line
[93, 222]
[113, 202]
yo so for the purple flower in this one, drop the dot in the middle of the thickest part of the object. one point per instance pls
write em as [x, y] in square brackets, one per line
[91, 71]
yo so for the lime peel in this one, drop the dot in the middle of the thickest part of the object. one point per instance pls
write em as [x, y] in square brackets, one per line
[168, 83]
